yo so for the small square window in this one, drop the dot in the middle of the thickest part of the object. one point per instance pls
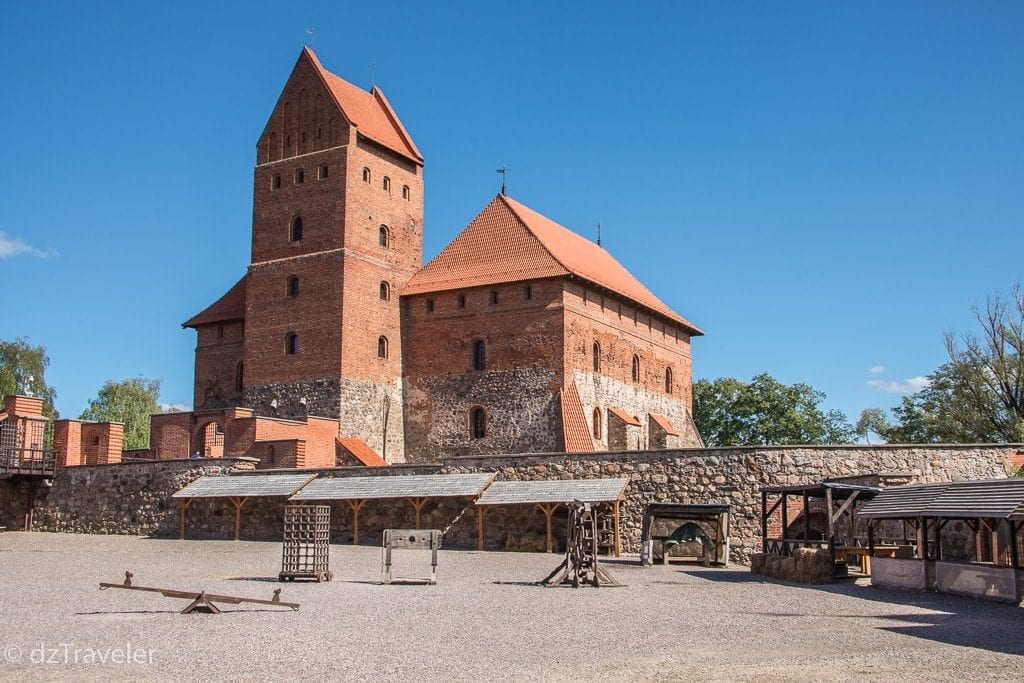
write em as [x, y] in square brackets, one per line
[324, 172]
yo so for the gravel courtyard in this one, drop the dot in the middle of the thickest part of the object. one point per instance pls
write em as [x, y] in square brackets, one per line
[483, 621]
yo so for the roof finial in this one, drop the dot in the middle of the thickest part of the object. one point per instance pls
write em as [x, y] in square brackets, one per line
[311, 32]
[598, 226]
[503, 172]
[373, 75]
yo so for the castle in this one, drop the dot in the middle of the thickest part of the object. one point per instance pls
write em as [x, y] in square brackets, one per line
[339, 347]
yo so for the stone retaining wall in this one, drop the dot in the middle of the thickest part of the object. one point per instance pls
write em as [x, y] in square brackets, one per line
[134, 498]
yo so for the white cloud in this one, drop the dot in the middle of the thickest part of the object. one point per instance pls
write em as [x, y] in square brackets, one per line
[907, 386]
[876, 369]
[175, 407]
[12, 246]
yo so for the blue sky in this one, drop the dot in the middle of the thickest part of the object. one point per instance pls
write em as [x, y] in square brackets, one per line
[824, 188]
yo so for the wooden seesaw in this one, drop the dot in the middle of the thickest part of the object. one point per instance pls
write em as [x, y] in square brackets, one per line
[201, 601]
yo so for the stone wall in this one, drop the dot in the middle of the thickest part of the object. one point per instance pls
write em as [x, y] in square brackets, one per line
[135, 497]
[121, 498]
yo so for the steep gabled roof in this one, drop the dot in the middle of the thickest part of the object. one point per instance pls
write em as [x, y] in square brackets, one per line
[361, 452]
[370, 112]
[510, 242]
[575, 432]
[231, 306]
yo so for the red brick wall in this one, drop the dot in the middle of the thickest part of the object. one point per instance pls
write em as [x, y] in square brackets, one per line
[219, 350]
[67, 443]
[170, 435]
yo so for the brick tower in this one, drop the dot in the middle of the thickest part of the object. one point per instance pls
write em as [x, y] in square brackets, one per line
[336, 233]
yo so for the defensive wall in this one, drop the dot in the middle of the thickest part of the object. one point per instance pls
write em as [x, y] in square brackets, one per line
[135, 497]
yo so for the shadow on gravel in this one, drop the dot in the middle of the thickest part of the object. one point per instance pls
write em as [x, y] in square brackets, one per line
[954, 620]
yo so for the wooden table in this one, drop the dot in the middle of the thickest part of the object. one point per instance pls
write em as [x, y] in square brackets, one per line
[862, 557]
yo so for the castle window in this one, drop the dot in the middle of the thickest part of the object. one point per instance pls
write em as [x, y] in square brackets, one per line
[597, 423]
[405, 192]
[478, 423]
[462, 300]
[597, 357]
[382, 347]
[366, 175]
[668, 380]
[300, 176]
[239, 370]
[494, 296]
[319, 132]
[296, 231]
[324, 172]
[271, 456]
[383, 237]
[275, 182]
[479, 355]
[385, 291]
[430, 305]
[636, 368]
[291, 344]
[387, 184]
[293, 286]
[529, 292]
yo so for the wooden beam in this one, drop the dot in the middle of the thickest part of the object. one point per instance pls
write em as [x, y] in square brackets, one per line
[1014, 544]
[238, 503]
[549, 509]
[807, 519]
[831, 531]
[764, 522]
[785, 514]
[181, 524]
[846, 504]
[480, 527]
[615, 526]
[922, 539]
[417, 504]
[356, 506]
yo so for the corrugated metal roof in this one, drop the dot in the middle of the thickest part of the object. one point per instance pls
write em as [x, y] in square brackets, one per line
[561, 491]
[250, 486]
[408, 486]
[995, 498]
[901, 502]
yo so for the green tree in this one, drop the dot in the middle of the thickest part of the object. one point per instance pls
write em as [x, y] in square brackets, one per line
[23, 369]
[130, 402]
[729, 412]
[977, 396]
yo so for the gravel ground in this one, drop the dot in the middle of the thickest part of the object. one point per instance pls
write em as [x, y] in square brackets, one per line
[483, 620]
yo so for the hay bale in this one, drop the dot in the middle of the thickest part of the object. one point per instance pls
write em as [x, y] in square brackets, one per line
[806, 566]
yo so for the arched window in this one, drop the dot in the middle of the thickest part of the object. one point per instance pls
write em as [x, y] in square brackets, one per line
[239, 370]
[668, 380]
[300, 176]
[385, 291]
[275, 182]
[636, 368]
[366, 175]
[598, 431]
[293, 286]
[295, 235]
[383, 236]
[597, 357]
[479, 355]
[462, 300]
[478, 423]
[382, 347]
[324, 171]
[405, 192]
[291, 344]
[387, 184]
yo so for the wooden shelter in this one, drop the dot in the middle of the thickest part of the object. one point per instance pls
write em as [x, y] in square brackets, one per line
[660, 517]
[239, 490]
[547, 496]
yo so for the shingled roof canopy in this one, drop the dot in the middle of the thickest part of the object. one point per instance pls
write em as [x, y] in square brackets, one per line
[509, 242]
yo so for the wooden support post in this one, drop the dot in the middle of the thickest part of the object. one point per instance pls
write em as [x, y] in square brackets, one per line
[417, 504]
[1014, 544]
[938, 539]
[871, 537]
[549, 509]
[238, 503]
[181, 524]
[480, 527]
[785, 516]
[807, 520]
[764, 522]
[922, 539]
[615, 525]
[830, 524]
[356, 506]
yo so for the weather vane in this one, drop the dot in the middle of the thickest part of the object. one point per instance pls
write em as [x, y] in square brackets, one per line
[503, 172]
[311, 32]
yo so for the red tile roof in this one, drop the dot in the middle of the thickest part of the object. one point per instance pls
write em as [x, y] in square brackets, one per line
[231, 306]
[664, 423]
[361, 452]
[509, 242]
[370, 112]
[624, 416]
[574, 422]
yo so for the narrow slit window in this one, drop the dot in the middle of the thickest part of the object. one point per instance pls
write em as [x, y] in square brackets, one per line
[275, 182]
[387, 184]
[479, 355]
[462, 300]
[293, 286]
[300, 176]
[291, 344]
[597, 357]
[597, 423]
[385, 291]
[430, 305]
[366, 175]
[636, 368]
[296, 230]
[382, 347]
[478, 423]
[405, 192]
[384, 236]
